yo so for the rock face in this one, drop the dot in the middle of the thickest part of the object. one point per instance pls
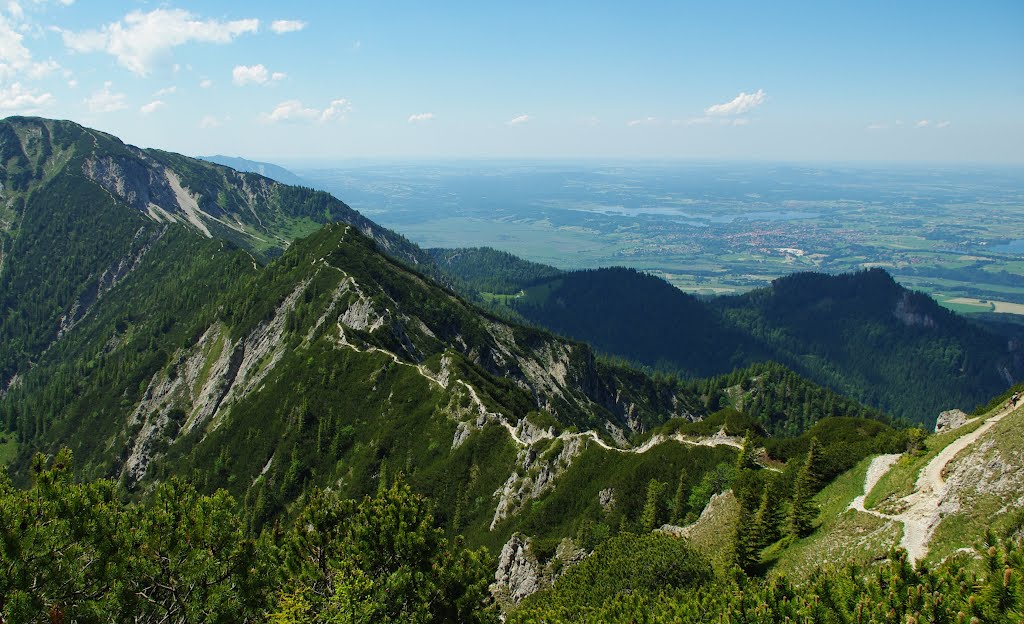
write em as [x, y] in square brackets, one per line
[950, 420]
[519, 572]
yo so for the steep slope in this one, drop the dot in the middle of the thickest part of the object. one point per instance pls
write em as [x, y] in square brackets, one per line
[867, 337]
[860, 334]
[80, 209]
[939, 502]
[336, 364]
[331, 363]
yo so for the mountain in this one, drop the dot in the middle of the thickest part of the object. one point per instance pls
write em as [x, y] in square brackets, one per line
[226, 403]
[860, 334]
[162, 345]
[81, 210]
[267, 170]
[868, 337]
[144, 330]
[488, 270]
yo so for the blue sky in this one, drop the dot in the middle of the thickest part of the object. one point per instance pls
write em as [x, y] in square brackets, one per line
[806, 81]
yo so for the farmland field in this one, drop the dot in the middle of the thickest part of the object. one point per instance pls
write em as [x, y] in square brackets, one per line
[714, 228]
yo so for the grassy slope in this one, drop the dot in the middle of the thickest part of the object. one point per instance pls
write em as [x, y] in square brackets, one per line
[902, 477]
[841, 535]
[986, 499]
[986, 502]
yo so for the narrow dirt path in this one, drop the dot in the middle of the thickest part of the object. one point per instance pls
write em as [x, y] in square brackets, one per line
[719, 439]
[878, 468]
[921, 516]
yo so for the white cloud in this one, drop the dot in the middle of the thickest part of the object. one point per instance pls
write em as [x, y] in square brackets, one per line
[291, 110]
[294, 110]
[420, 117]
[519, 119]
[105, 101]
[738, 105]
[148, 109]
[35, 71]
[17, 98]
[242, 75]
[165, 91]
[72, 83]
[942, 124]
[924, 123]
[16, 59]
[205, 83]
[337, 110]
[877, 125]
[742, 121]
[15, 10]
[209, 121]
[141, 40]
[646, 121]
[286, 26]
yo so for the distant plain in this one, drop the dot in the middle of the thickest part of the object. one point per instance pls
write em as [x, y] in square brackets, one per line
[956, 233]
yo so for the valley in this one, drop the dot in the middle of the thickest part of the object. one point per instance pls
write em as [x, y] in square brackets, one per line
[714, 228]
[327, 410]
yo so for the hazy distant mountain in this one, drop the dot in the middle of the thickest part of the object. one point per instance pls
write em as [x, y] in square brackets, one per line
[269, 170]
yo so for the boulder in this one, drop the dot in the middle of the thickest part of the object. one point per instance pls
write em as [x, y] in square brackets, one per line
[950, 420]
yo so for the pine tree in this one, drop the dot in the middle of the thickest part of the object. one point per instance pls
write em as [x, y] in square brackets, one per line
[766, 520]
[679, 501]
[654, 507]
[747, 460]
[746, 541]
[804, 511]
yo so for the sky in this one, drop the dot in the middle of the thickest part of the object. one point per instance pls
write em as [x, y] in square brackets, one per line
[302, 81]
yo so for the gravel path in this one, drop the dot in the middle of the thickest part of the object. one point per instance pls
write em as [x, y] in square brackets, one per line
[879, 466]
[921, 508]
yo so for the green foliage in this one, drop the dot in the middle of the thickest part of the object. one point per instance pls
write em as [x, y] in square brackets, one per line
[78, 552]
[637, 316]
[487, 270]
[892, 593]
[860, 334]
[804, 511]
[655, 507]
[713, 482]
[381, 560]
[74, 551]
[624, 565]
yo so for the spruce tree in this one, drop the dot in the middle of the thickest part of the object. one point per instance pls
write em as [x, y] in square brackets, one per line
[804, 511]
[653, 512]
[747, 460]
[747, 542]
[679, 501]
[766, 520]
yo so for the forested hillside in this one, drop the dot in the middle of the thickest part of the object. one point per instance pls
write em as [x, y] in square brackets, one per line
[860, 334]
[273, 426]
[486, 270]
[81, 210]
